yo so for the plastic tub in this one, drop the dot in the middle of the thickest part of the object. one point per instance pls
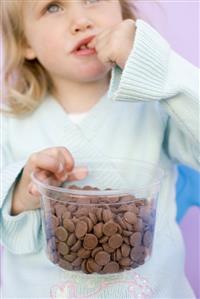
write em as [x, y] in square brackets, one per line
[105, 222]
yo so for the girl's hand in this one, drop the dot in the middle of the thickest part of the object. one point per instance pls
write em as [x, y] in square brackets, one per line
[53, 165]
[114, 45]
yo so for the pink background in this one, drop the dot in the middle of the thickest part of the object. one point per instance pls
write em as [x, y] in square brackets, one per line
[177, 21]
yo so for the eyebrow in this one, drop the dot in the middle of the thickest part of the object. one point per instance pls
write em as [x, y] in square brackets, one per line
[37, 3]
[43, 2]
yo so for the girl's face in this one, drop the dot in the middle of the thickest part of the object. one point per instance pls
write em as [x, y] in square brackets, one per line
[54, 28]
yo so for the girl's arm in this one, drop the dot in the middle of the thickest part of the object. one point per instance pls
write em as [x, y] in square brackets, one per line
[154, 72]
[21, 234]
[20, 215]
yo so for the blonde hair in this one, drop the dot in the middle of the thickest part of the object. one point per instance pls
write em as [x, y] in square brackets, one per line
[26, 81]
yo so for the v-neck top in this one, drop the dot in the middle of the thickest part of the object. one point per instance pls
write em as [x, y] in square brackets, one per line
[77, 117]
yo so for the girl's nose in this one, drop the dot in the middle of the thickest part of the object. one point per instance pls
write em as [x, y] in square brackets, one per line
[81, 25]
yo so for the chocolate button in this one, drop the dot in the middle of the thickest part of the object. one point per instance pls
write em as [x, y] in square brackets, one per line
[90, 241]
[60, 209]
[81, 212]
[72, 208]
[66, 215]
[54, 221]
[76, 246]
[81, 229]
[111, 267]
[77, 262]
[93, 266]
[126, 240]
[98, 229]
[65, 264]
[63, 248]
[136, 239]
[119, 229]
[95, 250]
[130, 217]
[139, 225]
[71, 240]
[120, 222]
[107, 248]
[125, 249]
[109, 228]
[61, 233]
[102, 258]
[99, 213]
[84, 253]
[107, 215]
[69, 225]
[144, 213]
[73, 187]
[118, 254]
[125, 261]
[70, 257]
[88, 221]
[115, 241]
[127, 233]
[147, 238]
[83, 267]
[137, 253]
[93, 217]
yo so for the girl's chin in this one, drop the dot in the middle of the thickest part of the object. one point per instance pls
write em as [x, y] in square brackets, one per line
[91, 73]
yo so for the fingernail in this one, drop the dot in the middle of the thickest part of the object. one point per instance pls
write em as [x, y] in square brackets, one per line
[90, 45]
[35, 190]
[61, 168]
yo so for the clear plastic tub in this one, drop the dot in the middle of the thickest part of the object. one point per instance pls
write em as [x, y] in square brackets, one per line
[105, 222]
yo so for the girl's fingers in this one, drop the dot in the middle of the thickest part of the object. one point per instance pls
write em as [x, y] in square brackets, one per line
[58, 162]
[46, 177]
[78, 173]
[65, 160]
[104, 35]
[65, 156]
[43, 175]
[46, 162]
[103, 47]
[33, 190]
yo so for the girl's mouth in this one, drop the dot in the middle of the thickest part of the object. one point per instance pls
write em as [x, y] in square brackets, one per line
[85, 51]
[81, 49]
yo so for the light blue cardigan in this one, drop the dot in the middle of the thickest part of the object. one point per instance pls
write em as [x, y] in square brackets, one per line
[149, 113]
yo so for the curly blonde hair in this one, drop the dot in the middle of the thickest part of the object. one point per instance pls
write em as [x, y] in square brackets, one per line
[26, 81]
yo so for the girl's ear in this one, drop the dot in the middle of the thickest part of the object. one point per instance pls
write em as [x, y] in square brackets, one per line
[29, 53]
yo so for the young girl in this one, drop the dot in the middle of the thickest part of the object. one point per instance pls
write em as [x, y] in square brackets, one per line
[85, 79]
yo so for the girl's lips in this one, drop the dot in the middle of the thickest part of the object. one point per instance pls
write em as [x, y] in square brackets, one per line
[85, 52]
[83, 42]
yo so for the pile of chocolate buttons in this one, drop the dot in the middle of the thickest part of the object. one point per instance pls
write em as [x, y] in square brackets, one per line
[99, 234]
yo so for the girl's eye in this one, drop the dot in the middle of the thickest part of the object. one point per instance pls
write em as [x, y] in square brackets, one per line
[53, 8]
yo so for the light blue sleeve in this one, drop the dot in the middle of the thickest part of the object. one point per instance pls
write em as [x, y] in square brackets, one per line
[21, 234]
[154, 72]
